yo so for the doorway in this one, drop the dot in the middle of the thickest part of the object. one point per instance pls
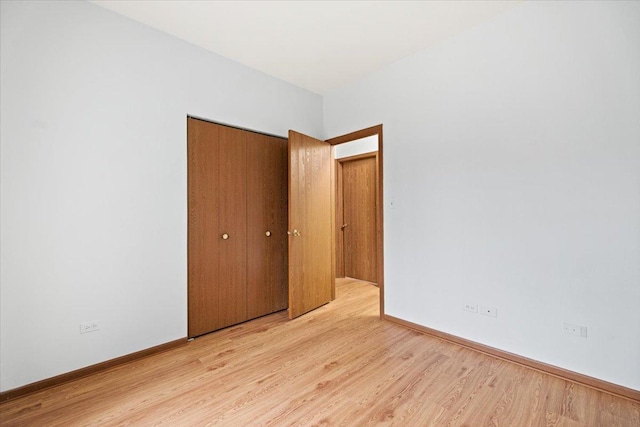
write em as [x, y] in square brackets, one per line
[358, 150]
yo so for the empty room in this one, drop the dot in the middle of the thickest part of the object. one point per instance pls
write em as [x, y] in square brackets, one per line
[252, 213]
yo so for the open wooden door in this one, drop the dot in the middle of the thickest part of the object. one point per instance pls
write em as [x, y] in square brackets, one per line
[310, 224]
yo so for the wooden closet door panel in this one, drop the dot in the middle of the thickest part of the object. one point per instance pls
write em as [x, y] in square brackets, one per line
[266, 213]
[232, 222]
[203, 238]
[359, 199]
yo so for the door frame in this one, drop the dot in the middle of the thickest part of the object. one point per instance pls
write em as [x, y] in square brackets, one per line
[363, 133]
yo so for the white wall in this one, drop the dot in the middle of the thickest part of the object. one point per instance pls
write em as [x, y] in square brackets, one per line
[93, 193]
[364, 145]
[512, 159]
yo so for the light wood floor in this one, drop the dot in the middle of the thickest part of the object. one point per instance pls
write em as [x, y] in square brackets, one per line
[339, 365]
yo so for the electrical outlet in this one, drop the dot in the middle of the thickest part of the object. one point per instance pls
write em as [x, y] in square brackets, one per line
[577, 330]
[488, 311]
[473, 308]
[89, 327]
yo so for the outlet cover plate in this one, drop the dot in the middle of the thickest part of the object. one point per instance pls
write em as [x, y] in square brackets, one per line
[488, 311]
[577, 330]
[89, 326]
[473, 308]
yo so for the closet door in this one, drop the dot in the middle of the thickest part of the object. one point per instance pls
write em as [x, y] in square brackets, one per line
[266, 224]
[232, 227]
[203, 239]
[217, 251]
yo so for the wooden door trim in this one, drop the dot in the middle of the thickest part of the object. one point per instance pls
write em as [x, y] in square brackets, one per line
[338, 198]
[216, 122]
[359, 134]
[363, 133]
[357, 157]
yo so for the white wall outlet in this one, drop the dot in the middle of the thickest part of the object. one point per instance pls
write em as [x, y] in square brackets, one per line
[89, 326]
[577, 330]
[488, 311]
[473, 308]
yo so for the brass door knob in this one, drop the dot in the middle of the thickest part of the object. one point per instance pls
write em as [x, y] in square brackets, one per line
[225, 236]
[268, 233]
[296, 233]
[344, 226]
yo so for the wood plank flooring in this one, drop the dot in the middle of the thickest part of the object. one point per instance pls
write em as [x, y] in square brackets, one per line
[338, 365]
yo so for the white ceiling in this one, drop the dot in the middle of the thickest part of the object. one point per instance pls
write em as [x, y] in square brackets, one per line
[318, 45]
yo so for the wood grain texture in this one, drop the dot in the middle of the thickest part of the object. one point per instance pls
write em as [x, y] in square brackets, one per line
[267, 290]
[332, 197]
[337, 365]
[530, 363]
[380, 219]
[217, 181]
[359, 205]
[339, 234]
[359, 134]
[310, 243]
[231, 307]
[87, 371]
[203, 239]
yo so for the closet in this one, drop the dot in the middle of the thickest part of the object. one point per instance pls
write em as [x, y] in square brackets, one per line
[237, 231]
